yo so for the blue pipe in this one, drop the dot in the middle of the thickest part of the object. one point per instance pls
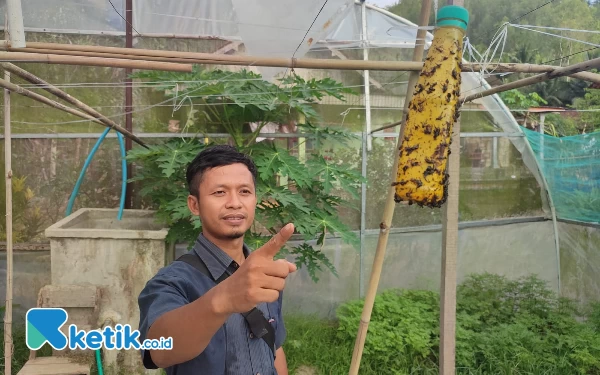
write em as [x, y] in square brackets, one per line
[85, 167]
[123, 174]
[122, 202]
[99, 362]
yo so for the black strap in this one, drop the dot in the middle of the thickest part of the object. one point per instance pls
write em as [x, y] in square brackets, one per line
[259, 326]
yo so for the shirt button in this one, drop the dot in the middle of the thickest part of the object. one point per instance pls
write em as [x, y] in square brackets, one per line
[252, 336]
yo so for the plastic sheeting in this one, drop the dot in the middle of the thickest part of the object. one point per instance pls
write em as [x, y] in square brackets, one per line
[80, 16]
[571, 166]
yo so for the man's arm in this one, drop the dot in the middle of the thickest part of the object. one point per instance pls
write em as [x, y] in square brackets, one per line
[281, 362]
[191, 327]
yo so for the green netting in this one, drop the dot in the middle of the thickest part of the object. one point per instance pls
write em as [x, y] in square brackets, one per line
[571, 166]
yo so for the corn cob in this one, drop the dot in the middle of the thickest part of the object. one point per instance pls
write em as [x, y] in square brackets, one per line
[421, 176]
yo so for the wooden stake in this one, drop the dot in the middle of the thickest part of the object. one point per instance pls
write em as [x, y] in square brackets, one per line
[449, 253]
[390, 205]
[52, 103]
[66, 97]
[8, 341]
[556, 73]
[93, 61]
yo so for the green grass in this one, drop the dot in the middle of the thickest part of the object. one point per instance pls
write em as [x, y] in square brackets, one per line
[21, 351]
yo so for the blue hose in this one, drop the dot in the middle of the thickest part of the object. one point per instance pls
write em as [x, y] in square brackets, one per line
[123, 174]
[85, 167]
[99, 362]
[121, 205]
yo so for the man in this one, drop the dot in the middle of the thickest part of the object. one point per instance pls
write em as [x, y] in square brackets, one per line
[204, 317]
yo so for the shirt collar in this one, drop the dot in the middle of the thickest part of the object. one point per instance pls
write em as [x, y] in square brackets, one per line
[217, 261]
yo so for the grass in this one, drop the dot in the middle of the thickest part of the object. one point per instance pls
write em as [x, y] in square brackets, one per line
[21, 351]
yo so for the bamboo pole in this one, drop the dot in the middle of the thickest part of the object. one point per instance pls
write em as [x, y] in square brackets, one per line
[209, 58]
[8, 341]
[93, 61]
[556, 73]
[66, 97]
[390, 205]
[447, 349]
[530, 68]
[21, 91]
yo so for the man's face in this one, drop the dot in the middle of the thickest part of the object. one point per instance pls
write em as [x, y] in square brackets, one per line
[227, 201]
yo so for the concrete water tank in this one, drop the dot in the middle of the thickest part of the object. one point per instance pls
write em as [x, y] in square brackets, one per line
[93, 247]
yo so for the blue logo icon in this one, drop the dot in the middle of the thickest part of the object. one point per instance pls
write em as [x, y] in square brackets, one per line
[44, 326]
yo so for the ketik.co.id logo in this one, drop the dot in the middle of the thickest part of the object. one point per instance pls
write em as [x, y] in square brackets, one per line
[44, 326]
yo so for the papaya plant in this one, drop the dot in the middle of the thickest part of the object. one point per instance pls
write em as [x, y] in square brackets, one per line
[306, 189]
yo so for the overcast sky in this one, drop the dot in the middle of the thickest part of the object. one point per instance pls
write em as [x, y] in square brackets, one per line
[382, 3]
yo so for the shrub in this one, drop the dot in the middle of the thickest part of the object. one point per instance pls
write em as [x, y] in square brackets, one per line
[503, 326]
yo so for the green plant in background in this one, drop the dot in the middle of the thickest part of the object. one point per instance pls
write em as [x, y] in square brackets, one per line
[503, 327]
[27, 218]
[591, 120]
[291, 187]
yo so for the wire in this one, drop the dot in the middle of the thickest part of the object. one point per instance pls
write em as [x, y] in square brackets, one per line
[123, 17]
[558, 36]
[573, 54]
[531, 11]
[311, 25]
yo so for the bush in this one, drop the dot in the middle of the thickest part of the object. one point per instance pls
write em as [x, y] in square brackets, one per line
[503, 327]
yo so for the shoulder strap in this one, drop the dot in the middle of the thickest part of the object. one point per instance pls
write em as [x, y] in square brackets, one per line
[259, 326]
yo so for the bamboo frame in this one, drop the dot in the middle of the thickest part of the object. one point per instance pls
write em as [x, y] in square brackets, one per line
[68, 98]
[172, 60]
[390, 205]
[556, 73]
[150, 55]
[21, 91]
[93, 61]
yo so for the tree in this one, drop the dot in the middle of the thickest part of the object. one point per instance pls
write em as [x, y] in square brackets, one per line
[590, 120]
[304, 189]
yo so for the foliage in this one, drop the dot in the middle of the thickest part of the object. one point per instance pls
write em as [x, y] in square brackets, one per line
[26, 218]
[503, 326]
[515, 99]
[487, 17]
[305, 192]
[590, 120]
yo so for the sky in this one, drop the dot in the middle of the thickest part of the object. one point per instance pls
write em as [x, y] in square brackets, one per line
[382, 3]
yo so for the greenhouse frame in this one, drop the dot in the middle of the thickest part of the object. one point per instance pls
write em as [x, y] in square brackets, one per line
[524, 199]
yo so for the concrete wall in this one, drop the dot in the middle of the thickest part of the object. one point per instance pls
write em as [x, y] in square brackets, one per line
[413, 260]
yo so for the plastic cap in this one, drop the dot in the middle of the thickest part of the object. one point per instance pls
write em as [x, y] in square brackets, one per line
[453, 15]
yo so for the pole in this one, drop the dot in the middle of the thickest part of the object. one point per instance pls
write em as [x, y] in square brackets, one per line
[366, 76]
[15, 23]
[556, 73]
[449, 253]
[390, 205]
[128, 98]
[42, 99]
[109, 56]
[94, 61]
[8, 343]
[32, 78]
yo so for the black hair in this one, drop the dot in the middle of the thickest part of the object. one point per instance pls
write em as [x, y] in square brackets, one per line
[215, 156]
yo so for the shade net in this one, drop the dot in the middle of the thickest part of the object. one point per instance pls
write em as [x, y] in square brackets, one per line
[571, 166]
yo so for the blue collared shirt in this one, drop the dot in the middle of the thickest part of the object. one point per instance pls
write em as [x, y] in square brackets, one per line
[233, 349]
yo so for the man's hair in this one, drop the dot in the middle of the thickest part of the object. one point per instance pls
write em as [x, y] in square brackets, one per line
[215, 156]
